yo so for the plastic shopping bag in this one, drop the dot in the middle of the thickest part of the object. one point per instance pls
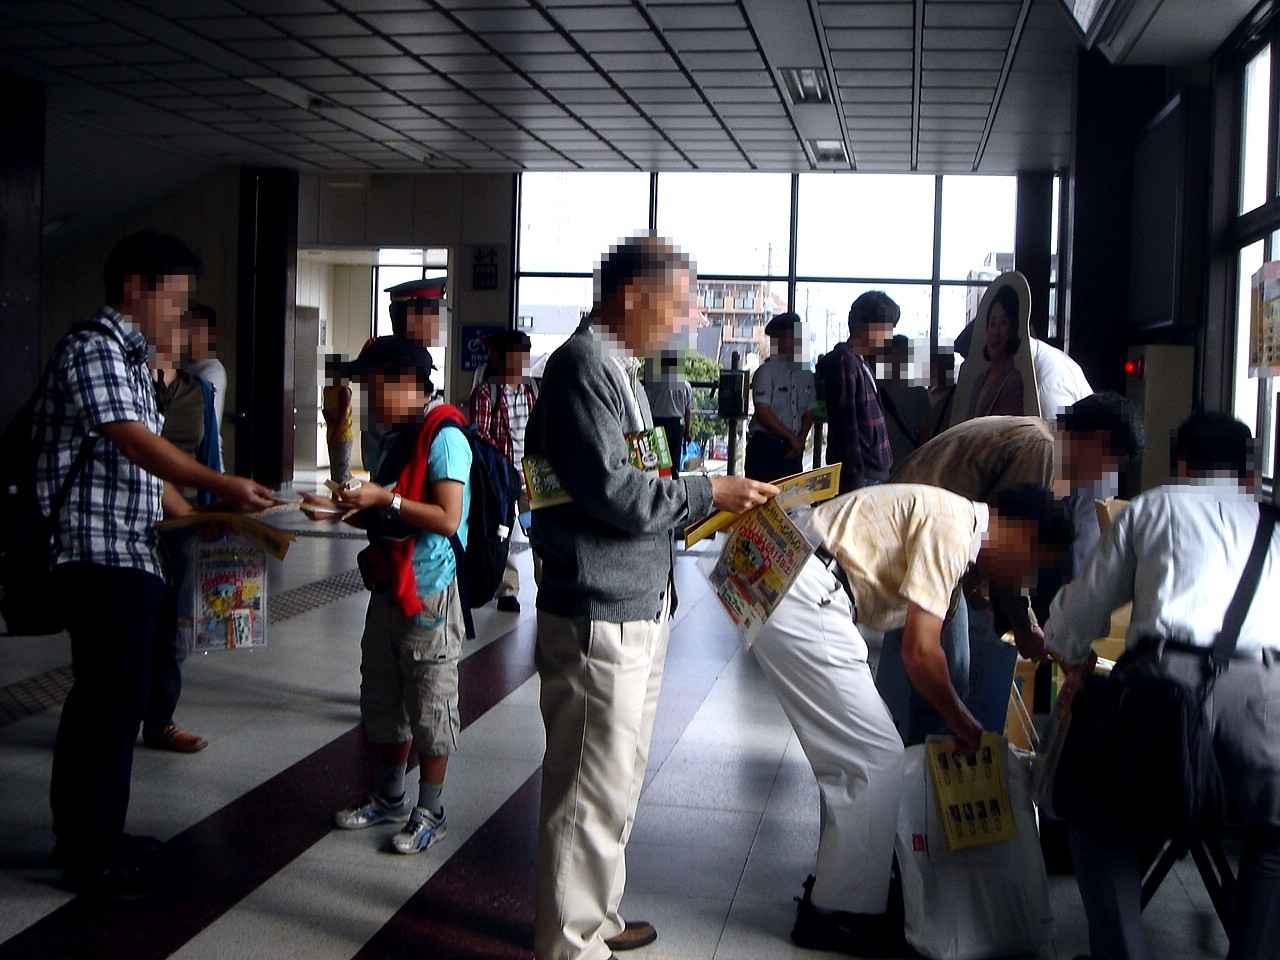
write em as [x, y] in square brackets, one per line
[989, 901]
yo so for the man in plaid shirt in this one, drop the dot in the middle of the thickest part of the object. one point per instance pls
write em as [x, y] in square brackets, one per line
[857, 435]
[97, 395]
[500, 408]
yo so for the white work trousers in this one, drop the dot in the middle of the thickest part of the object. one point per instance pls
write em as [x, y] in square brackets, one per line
[816, 662]
[600, 684]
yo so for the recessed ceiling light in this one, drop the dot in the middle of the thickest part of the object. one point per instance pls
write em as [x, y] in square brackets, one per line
[829, 152]
[290, 92]
[410, 149]
[806, 85]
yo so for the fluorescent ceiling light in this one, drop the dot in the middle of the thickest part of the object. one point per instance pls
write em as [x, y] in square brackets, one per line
[410, 149]
[829, 152]
[290, 92]
[806, 85]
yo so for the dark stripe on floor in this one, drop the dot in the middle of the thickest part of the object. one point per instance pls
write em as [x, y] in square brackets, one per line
[213, 865]
[480, 904]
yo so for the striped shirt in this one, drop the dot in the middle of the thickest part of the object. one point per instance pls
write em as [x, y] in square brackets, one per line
[857, 435]
[113, 504]
[900, 544]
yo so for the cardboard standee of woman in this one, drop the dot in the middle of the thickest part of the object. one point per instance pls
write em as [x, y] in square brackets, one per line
[998, 377]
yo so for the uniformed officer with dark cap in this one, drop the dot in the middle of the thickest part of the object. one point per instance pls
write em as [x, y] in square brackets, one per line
[784, 397]
[417, 312]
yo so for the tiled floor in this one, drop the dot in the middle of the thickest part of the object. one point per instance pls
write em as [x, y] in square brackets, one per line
[725, 834]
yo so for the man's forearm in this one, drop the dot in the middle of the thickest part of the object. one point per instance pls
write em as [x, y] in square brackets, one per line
[161, 458]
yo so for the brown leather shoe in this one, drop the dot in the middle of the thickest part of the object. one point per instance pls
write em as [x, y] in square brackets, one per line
[636, 934]
[175, 739]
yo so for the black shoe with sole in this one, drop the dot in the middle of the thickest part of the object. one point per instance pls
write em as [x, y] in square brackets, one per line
[857, 934]
[509, 604]
[120, 882]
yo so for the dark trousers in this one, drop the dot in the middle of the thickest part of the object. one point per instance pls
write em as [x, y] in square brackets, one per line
[769, 458]
[168, 648]
[1246, 735]
[111, 615]
[673, 427]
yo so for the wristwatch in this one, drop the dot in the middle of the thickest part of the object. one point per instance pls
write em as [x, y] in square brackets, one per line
[393, 508]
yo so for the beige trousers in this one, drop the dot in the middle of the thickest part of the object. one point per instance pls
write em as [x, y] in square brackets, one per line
[600, 684]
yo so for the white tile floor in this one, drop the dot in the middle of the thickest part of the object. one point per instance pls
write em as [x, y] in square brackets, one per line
[725, 833]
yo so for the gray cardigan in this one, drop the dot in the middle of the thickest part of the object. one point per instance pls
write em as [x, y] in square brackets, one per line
[607, 555]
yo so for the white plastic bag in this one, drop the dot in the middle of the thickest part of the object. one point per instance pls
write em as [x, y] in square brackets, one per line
[990, 901]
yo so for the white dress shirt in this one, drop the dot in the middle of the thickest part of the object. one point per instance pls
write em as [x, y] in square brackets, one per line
[1177, 552]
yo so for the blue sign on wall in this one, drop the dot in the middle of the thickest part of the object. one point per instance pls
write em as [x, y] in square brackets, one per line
[474, 355]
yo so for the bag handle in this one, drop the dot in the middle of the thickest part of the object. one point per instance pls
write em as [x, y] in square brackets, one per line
[1224, 644]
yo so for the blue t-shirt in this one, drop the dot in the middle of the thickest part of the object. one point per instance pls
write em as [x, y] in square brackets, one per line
[433, 561]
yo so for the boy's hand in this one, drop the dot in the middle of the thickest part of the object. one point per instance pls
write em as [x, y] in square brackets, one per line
[738, 494]
[246, 496]
[327, 508]
[365, 495]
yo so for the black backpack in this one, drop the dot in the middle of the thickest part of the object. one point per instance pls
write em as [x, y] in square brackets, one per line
[495, 491]
[29, 603]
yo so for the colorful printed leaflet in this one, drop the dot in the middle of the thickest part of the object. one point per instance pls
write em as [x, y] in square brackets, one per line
[230, 595]
[972, 792]
[812, 486]
[649, 452]
[762, 556]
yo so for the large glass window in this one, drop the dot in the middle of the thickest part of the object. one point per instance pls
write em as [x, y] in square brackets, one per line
[978, 219]
[1246, 393]
[1253, 139]
[865, 226]
[731, 223]
[824, 305]
[568, 219]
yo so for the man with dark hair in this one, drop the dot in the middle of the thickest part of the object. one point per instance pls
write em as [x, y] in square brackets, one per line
[500, 407]
[96, 422]
[784, 397]
[857, 436]
[1177, 553]
[417, 310]
[888, 557]
[606, 595]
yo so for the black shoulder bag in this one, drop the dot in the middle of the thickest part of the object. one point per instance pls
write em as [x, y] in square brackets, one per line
[1139, 751]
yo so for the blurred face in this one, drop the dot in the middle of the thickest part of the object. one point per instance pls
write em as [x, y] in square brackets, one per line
[158, 310]
[1011, 555]
[422, 324]
[788, 345]
[999, 331]
[1087, 458]
[515, 366]
[396, 397]
[171, 343]
[654, 309]
[200, 341]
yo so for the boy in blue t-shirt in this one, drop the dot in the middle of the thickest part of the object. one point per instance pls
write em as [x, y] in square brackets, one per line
[418, 498]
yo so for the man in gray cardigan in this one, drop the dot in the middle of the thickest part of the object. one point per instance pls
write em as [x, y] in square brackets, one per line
[606, 595]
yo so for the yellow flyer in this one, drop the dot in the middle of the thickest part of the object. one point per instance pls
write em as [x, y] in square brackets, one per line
[973, 794]
[762, 556]
[812, 486]
[271, 539]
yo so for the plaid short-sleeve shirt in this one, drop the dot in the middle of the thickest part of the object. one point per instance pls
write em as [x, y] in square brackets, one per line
[113, 504]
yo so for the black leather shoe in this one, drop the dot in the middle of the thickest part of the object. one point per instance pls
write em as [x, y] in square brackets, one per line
[509, 604]
[120, 882]
[129, 849]
[857, 934]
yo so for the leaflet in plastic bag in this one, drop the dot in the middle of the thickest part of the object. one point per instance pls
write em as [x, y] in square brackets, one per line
[979, 903]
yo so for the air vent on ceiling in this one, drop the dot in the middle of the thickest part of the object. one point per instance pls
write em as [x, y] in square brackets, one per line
[829, 153]
[806, 85]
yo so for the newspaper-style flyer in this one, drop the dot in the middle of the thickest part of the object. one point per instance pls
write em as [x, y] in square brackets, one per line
[812, 486]
[762, 556]
[230, 595]
[649, 451]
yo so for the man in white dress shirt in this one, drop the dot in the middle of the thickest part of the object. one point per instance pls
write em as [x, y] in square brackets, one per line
[1178, 552]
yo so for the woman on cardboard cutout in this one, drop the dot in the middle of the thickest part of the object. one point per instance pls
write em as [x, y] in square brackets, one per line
[999, 391]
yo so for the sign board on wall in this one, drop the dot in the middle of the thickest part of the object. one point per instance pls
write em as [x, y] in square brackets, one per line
[474, 355]
[486, 264]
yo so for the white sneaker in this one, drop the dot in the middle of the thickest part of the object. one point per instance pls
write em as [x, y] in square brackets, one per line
[374, 810]
[423, 829]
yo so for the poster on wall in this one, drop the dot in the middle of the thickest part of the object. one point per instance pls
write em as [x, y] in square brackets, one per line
[1264, 322]
[474, 353]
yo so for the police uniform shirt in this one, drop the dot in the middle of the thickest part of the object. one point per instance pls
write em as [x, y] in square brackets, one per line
[787, 389]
